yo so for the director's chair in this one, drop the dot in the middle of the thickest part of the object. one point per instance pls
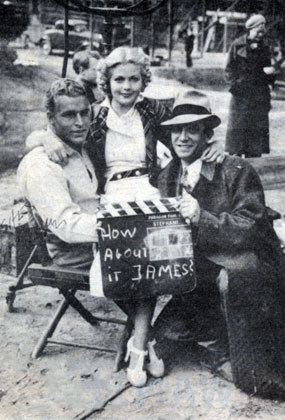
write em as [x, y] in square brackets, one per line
[68, 281]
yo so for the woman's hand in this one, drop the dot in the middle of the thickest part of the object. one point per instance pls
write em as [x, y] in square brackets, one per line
[55, 150]
[214, 153]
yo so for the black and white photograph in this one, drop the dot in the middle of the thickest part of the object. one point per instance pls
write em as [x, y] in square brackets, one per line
[142, 221]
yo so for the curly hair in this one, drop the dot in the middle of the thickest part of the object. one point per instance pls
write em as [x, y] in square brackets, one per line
[122, 55]
[60, 87]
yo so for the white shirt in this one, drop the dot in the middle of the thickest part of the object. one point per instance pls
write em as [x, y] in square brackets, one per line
[64, 196]
[192, 173]
[125, 141]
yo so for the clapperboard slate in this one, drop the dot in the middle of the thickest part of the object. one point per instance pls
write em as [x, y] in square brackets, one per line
[145, 249]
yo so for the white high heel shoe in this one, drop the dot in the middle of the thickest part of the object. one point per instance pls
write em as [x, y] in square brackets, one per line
[155, 366]
[136, 376]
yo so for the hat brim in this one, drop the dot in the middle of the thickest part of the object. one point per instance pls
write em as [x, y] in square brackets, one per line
[248, 28]
[212, 120]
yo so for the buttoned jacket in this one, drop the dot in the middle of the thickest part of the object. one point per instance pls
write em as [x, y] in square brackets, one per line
[244, 71]
[152, 113]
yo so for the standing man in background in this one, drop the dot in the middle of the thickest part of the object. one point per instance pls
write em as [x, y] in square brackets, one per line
[189, 45]
[249, 74]
[188, 37]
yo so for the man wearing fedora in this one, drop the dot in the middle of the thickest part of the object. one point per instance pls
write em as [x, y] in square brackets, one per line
[236, 251]
[249, 75]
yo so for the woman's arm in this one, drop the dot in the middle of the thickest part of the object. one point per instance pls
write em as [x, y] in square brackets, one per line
[52, 146]
[34, 139]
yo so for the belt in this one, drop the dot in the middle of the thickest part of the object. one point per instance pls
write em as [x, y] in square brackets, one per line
[128, 174]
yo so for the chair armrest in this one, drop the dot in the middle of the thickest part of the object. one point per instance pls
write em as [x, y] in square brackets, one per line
[58, 277]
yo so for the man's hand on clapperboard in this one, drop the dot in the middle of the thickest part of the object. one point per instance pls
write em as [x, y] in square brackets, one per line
[189, 207]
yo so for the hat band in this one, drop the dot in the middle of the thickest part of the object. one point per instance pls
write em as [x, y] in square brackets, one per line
[186, 109]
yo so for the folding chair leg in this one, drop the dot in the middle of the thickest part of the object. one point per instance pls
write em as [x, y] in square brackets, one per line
[11, 295]
[69, 296]
[64, 304]
[122, 345]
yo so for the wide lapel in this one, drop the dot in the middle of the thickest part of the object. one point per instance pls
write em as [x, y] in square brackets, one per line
[98, 131]
[241, 48]
[200, 190]
[96, 145]
[168, 179]
[98, 125]
[147, 115]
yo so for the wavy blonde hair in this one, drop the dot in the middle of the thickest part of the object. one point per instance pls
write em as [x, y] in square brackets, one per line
[122, 55]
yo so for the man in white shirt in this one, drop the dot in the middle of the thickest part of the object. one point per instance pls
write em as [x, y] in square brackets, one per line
[64, 196]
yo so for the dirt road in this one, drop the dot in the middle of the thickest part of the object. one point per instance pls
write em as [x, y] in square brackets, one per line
[67, 383]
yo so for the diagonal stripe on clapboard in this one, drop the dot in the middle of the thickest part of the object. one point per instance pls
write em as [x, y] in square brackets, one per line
[134, 208]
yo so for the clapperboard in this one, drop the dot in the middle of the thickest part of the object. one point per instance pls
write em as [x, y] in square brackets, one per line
[146, 250]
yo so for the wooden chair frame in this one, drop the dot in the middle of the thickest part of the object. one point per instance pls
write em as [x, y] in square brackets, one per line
[68, 281]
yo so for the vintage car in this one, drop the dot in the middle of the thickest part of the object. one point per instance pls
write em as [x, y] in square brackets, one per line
[79, 36]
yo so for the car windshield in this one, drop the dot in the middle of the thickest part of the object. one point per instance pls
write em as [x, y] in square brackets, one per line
[59, 26]
[80, 27]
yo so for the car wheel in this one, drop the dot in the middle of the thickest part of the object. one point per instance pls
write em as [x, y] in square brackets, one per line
[40, 43]
[26, 41]
[46, 45]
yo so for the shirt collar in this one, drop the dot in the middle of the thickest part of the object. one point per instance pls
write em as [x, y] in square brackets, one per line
[69, 150]
[107, 103]
[207, 170]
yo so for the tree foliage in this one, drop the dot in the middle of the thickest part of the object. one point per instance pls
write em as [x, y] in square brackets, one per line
[14, 18]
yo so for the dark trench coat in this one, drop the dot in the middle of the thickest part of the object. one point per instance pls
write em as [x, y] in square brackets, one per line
[234, 232]
[248, 124]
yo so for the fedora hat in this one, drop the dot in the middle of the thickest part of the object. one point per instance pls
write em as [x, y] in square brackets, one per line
[191, 106]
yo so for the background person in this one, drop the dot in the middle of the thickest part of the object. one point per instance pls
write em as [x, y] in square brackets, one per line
[189, 45]
[249, 74]
[84, 64]
[188, 38]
